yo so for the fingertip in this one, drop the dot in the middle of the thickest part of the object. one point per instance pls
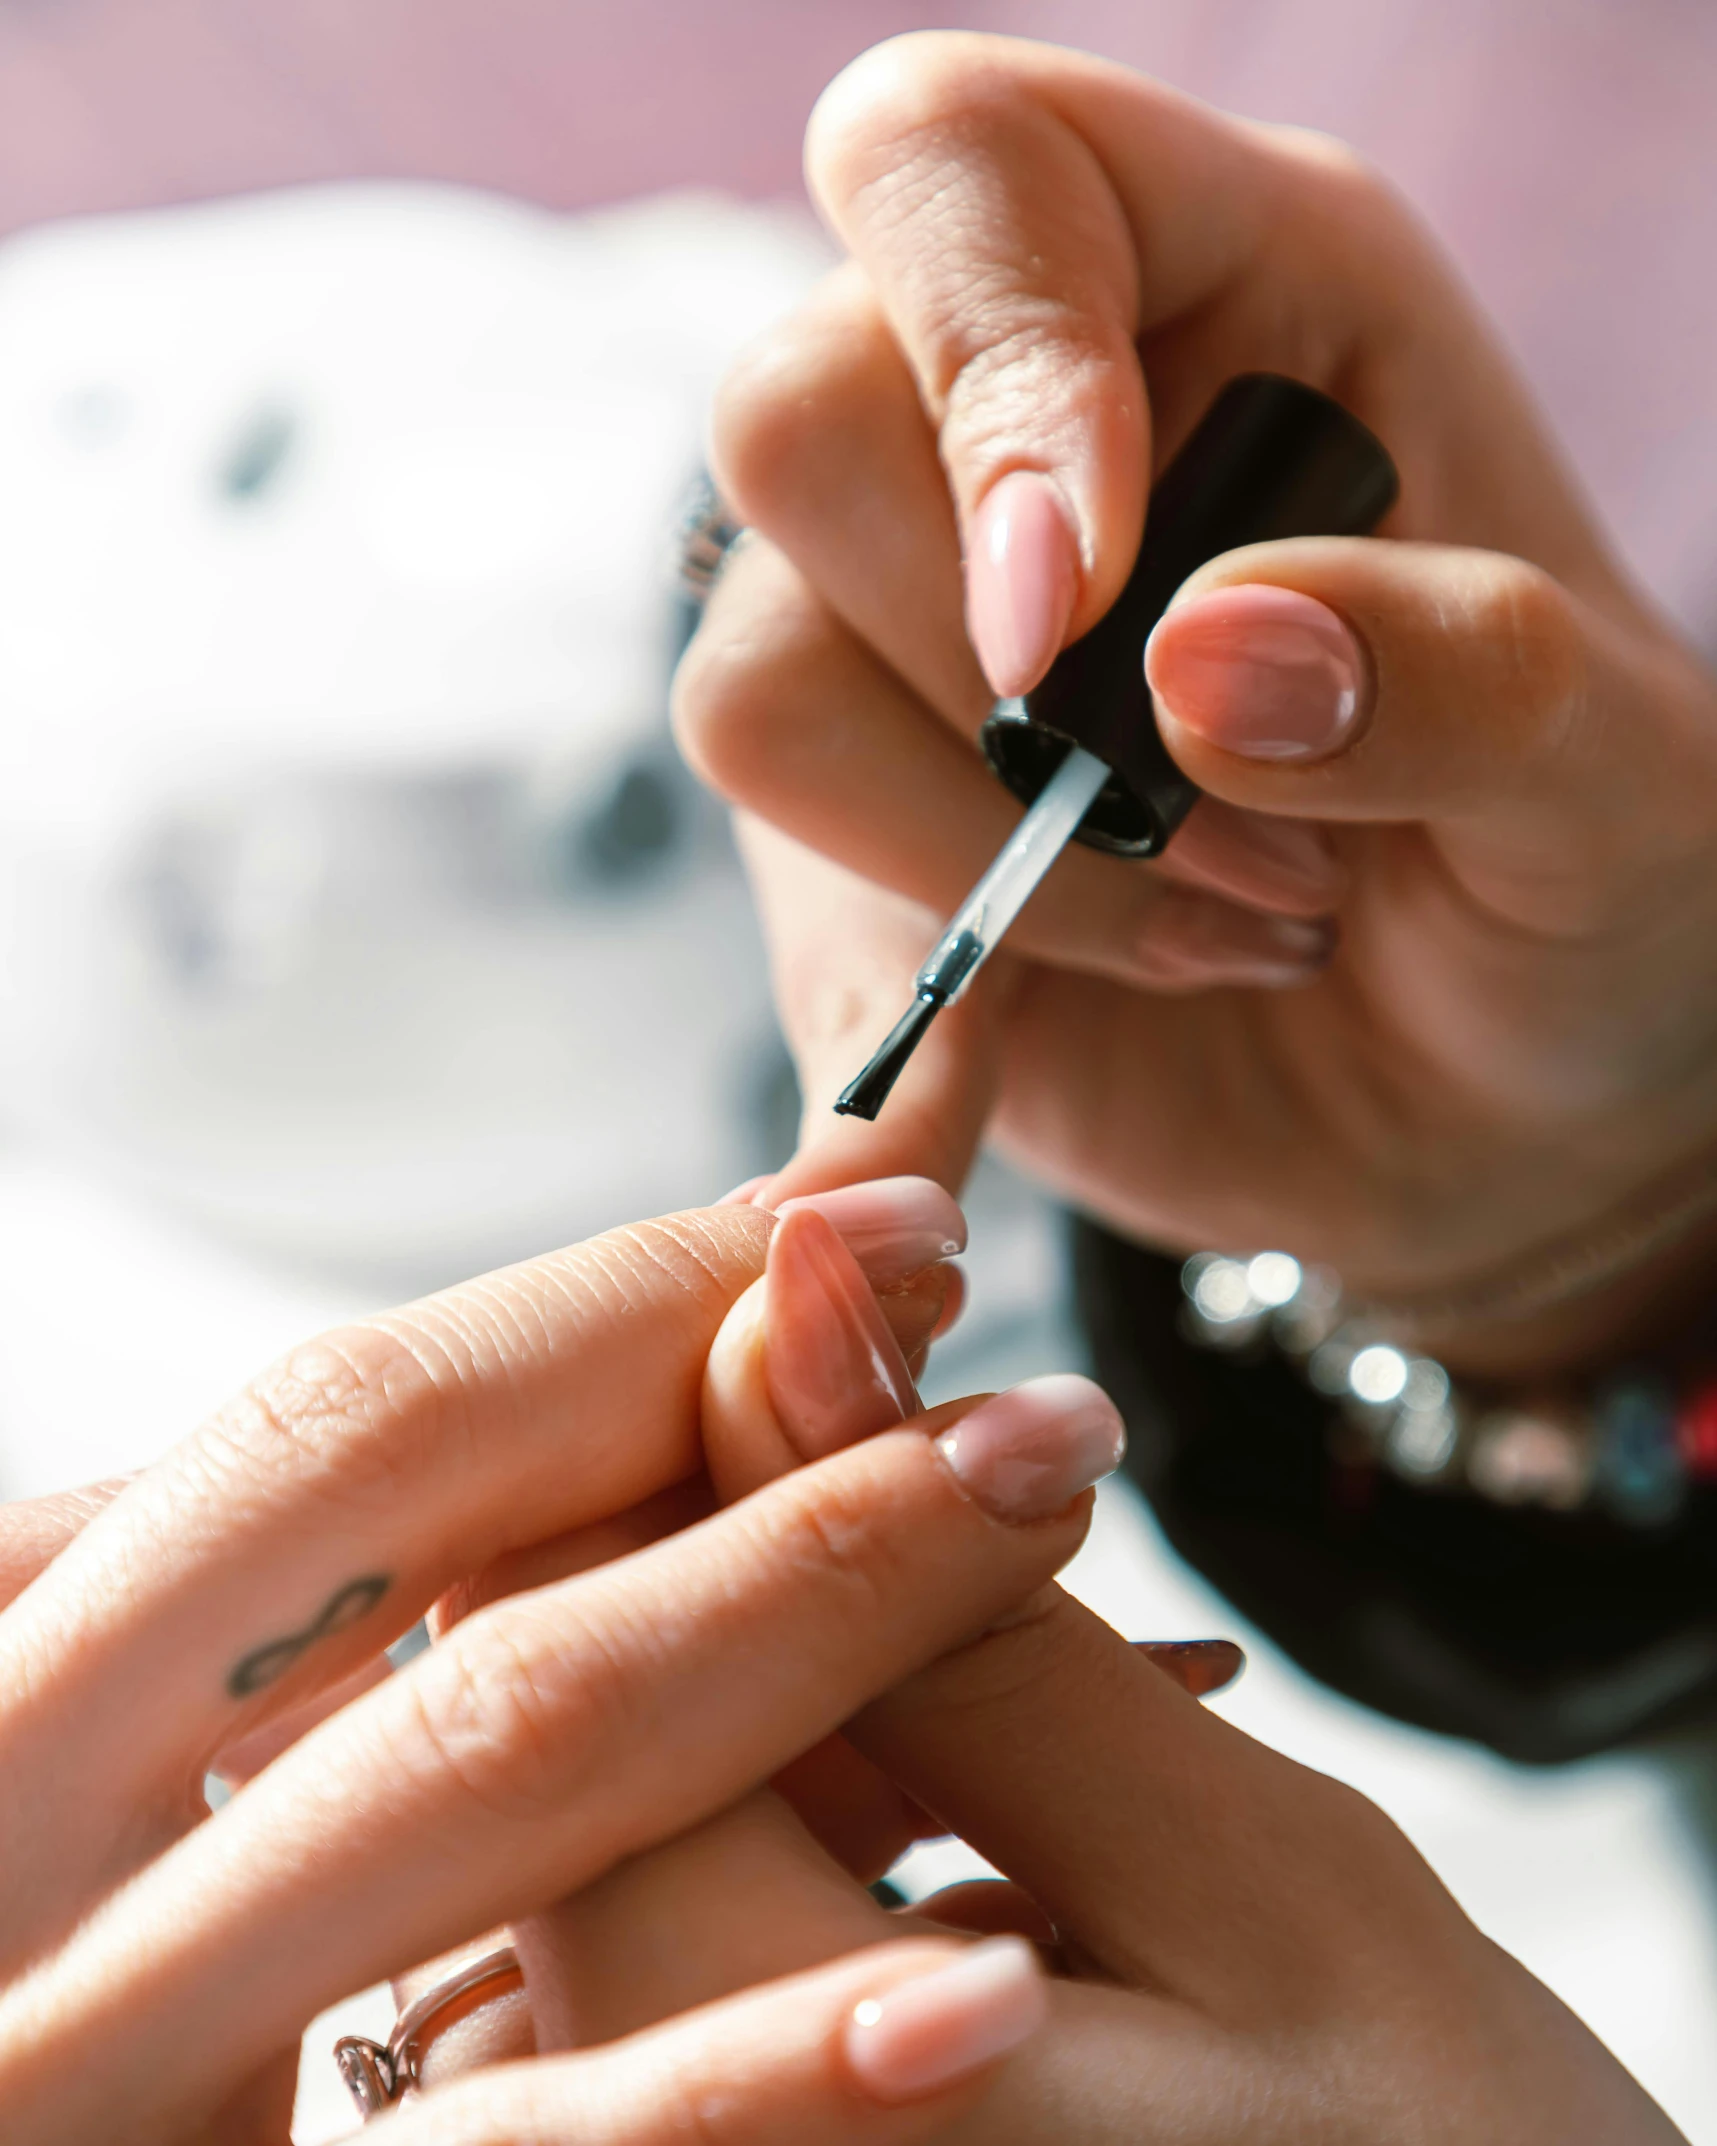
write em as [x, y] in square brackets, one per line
[922, 2036]
[1025, 1455]
[834, 1371]
[1262, 672]
[893, 1226]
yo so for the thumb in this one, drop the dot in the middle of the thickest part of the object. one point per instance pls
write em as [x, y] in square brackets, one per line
[1367, 680]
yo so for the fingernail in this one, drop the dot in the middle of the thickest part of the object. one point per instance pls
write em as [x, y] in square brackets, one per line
[1299, 855]
[835, 1372]
[926, 2034]
[1025, 1454]
[893, 1226]
[1288, 952]
[953, 1304]
[1198, 1666]
[746, 1195]
[1266, 673]
[1022, 574]
[1202, 940]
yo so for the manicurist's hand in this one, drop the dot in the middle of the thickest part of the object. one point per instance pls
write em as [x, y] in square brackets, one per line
[1427, 986]
[619, 1663]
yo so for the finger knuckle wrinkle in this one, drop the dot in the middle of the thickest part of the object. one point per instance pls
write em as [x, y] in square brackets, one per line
[685, 1255]
[1016, 363]
[354, 1406]
[725, 716]
[829, 1537]
[511, 1723]
[773, 396]
[1007, 1666]
[677, 1272]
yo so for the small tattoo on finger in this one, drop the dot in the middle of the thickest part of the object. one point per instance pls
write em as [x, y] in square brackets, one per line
[265, 1664]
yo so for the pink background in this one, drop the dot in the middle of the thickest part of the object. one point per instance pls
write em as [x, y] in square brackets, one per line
[1564, 147]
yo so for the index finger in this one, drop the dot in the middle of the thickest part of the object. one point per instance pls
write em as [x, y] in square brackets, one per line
[974, 180]
[1029, 216]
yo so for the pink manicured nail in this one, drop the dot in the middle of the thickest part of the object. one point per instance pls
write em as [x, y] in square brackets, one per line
[1026, 1454]
[835, 1372]
[893, 1226]
[1022, 574]
[953, 1305]
[1265, 673]
[924, 2035]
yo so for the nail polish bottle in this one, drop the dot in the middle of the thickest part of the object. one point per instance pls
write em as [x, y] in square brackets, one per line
[1271, 458]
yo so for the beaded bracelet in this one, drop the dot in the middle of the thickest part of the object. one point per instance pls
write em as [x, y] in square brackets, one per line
[1631, 1445]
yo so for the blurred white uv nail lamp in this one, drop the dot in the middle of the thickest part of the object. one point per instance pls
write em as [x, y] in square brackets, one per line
[335, 788]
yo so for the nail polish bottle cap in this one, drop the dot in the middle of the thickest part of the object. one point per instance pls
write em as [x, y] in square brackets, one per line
[1271, 458]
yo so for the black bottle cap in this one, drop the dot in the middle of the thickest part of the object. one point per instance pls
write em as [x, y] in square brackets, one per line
[1272, 458]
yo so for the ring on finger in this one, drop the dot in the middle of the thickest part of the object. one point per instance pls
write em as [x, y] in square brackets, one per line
[376, 2074]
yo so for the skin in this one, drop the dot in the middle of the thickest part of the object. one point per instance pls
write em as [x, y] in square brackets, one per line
[1245, 1950]
[541, 1421]
[1054, 265]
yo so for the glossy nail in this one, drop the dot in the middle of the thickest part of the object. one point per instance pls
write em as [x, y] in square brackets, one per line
[893, 1226]
[835, 1372]
[1266, 673]
[927, 2034]
[953, 1304]
[1198, 1666]
[1022, 575]
[1025, 1454]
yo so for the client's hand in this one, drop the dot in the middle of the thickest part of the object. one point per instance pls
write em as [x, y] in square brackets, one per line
[159, 1964]
[1249, 1954]
[1476, 746]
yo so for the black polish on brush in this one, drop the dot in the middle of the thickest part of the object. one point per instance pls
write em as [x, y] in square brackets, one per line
[864, 1097]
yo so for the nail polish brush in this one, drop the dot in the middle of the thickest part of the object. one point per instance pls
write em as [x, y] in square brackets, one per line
[1271, 458]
